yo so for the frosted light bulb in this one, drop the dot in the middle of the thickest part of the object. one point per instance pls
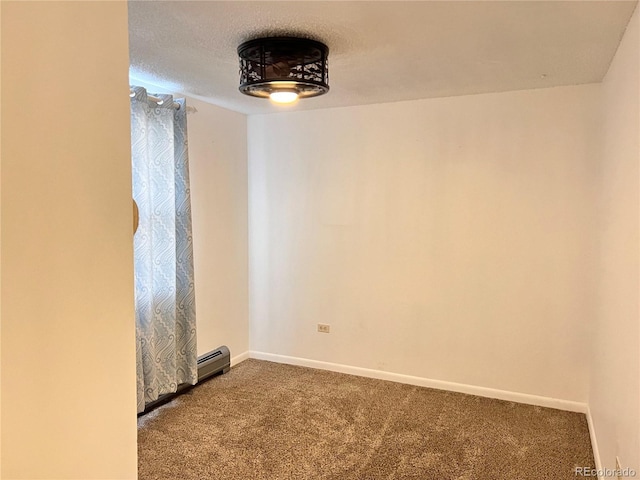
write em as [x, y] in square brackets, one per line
[283, 96]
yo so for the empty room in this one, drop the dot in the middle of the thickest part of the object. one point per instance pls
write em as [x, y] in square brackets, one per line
[320, 240]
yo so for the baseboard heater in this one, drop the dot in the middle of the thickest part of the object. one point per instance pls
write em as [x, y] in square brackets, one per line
[215, 362]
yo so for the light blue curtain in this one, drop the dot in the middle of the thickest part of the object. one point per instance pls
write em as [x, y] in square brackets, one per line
[163, 249]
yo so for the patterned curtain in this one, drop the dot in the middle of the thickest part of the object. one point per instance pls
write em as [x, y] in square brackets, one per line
[163, 251]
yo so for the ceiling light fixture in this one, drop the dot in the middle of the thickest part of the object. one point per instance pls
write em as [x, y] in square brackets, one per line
[283, 68]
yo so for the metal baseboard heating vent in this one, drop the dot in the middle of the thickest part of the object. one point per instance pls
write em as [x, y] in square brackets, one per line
[215, 362]
[212, 363]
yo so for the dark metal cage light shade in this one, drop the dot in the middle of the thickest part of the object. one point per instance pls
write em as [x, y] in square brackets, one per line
[274, 64]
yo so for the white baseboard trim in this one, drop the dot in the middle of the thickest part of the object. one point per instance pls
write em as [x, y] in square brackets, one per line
[525, 398]
[239, 358]
[594, 441]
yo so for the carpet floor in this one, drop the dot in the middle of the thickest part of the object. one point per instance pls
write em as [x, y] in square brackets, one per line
[264, 420]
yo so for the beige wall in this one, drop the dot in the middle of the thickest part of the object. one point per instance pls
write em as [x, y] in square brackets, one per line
[0, 245]
[614, 398]
[68, 342]
[447, 238]
[218, 168]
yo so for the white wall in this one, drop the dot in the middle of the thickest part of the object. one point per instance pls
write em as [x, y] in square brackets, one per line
[218, 168]
[68, 341]
[447, 238]
[615, 387]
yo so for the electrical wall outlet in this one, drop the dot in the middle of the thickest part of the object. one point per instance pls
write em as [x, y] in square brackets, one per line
[324, 328]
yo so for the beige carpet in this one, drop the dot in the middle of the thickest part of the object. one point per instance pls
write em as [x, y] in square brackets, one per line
[268, 421]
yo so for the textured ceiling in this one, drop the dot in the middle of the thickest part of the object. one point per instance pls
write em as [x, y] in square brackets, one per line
[380, 51]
